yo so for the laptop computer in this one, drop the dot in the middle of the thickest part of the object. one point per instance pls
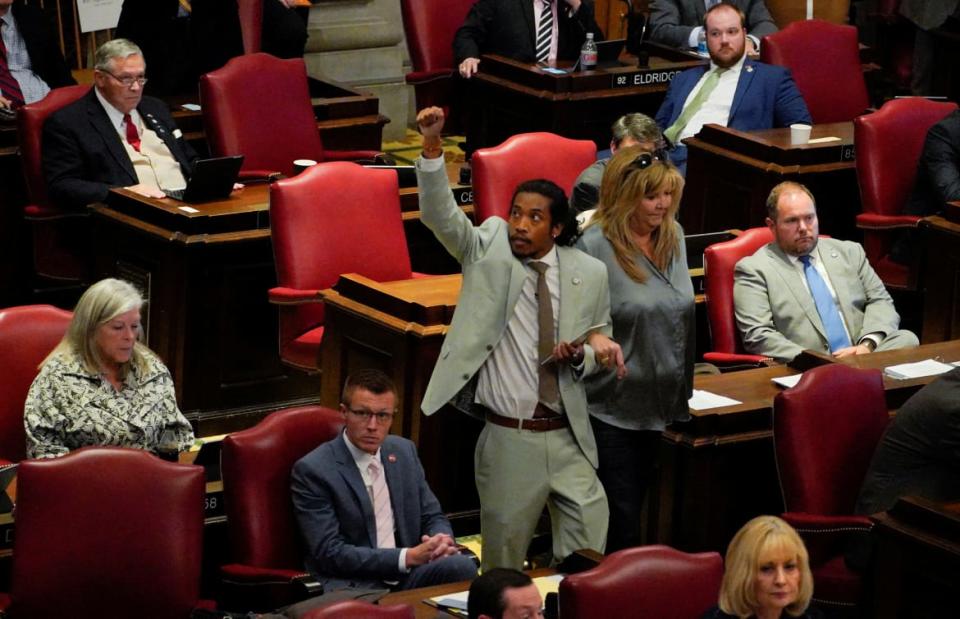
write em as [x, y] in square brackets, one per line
[212, 179]
[608, 54]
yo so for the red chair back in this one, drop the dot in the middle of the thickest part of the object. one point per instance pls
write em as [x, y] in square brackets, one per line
[889, 143]
[821, 471]
[825, 61]
[251, 24]
[237, 123]
[497, 171]
[334, 218]
[30, 121]
[719, 261]
[430, 26]
[256, 465]
[647, 581]
[27, 335]
[355, 609]
[107, 533]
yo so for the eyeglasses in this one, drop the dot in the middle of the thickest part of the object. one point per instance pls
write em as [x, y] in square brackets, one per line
[382, 418]
[645, 160]
[128, 81]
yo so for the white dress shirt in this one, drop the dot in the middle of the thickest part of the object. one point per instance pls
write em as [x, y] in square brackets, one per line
[18, 61]
[716, 109]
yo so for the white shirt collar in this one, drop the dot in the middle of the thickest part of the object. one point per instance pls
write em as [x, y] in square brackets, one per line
[550, 258]
[360, 457]
[115, 115]
[736, 68]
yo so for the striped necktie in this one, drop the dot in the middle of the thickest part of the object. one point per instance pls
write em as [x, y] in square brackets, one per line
[545, 32]
[8, 84]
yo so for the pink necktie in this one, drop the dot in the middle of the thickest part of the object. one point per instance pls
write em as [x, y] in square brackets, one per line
[382, 511]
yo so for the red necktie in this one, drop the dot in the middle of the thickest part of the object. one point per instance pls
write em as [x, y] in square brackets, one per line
[8, 83]
[133, 138]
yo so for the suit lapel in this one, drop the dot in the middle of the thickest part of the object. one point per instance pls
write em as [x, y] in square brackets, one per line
[570, 289]
[347, 467]
[518, 274]
[834, 264]
[166, 136]
[527, 7]
[746, 76]
[797, 287]
[108, 133]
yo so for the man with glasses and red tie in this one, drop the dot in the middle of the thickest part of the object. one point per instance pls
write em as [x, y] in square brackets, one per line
[114, 136]
[30, 59]
[365, 510]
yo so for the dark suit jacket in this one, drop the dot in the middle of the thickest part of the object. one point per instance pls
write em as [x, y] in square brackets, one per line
[505, 27]
[83, 156]
[938, 173]
[672, 20]
[41, 40]
[336, 515]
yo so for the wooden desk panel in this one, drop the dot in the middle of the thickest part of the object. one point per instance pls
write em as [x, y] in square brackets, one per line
[718, 469]
[917, 559]
[940, 278]
[517, 97]
[730, 174]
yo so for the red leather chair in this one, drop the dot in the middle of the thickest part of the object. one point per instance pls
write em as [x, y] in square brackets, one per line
[321, 227]
[821, 471]
[27, 335]
[355, 609]
[244, 116]
[59, 236]
[251, 24]
[889, 143]
[430, 26]
[719, 261]
[267, 570]
[650, 581]
[825, 61]
[497, 171]
[107, 533]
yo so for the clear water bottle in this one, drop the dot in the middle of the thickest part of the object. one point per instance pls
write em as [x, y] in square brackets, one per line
[702, 43]
[588, 54]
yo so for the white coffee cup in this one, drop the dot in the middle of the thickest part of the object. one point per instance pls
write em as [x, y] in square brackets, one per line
[800, 133]
[299, 165]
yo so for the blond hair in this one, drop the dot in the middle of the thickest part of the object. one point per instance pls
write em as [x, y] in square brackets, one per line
[755, 541]
[99, 304]
[624, 184]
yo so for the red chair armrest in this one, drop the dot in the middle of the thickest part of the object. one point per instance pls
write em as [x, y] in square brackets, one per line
[874, 221]
[264, 589]
[293, 296]
[360, 156]
[4, 603]
[729, 359]
[422, 77]
[237, 572]
[35, 212]
[827, 536]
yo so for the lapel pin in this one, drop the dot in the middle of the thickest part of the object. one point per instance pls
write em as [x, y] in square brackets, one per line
[833, 254]
[576, 281]
[391, 458]
[749, 69]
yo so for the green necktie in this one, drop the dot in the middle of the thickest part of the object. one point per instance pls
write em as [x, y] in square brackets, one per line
[694, 106]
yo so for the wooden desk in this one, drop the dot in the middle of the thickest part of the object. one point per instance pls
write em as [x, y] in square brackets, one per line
[917, 559]
[730, 174]
[940, 278]
[718, 469]
[517, 97]
[346, 119]
[422, 610]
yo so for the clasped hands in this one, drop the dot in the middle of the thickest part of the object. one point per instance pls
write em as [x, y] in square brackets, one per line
[431, 548]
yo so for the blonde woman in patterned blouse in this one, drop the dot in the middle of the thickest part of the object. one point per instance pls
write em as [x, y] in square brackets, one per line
[101, 385]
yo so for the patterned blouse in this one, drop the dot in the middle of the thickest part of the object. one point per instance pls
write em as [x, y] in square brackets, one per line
[68, 408]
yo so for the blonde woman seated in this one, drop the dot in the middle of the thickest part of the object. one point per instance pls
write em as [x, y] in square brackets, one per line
[100, 385]
[767, 574]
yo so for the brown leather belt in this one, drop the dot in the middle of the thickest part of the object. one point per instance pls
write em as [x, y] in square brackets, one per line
[537, 424]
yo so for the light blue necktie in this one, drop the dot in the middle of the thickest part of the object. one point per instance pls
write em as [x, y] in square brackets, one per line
[826, 307]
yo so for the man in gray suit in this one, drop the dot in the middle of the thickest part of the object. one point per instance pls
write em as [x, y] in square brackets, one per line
[678, 23]
[537, 446]
[365, 511]
[801, 292]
